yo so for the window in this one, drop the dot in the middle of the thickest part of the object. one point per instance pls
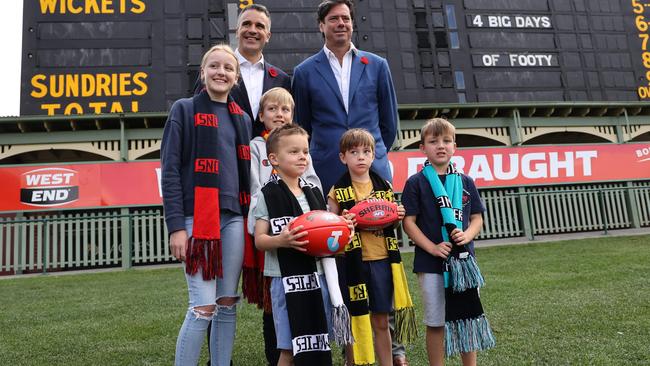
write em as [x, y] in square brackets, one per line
[460, 80]
[451, 16]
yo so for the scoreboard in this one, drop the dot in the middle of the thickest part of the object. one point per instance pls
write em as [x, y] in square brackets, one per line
[114, 56]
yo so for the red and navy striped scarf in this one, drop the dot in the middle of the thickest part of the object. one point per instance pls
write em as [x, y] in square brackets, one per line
[255, 286]
[204, 246]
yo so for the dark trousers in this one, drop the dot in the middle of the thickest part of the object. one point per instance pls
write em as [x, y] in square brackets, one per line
[270, 341]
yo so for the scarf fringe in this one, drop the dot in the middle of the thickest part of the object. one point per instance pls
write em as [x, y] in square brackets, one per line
[251, 275]
[251, 286]
[465, 274]
[341, 328]
[266, 295]
[406, 328]
[341, 323]
[204, 254]
[467, 335]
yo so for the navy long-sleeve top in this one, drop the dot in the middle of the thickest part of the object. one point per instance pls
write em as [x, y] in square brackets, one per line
[177, 159]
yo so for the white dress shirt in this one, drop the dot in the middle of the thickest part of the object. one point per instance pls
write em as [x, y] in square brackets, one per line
[342, 72]
[253, 77]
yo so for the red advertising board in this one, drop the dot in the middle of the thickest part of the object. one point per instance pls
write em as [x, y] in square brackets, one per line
[538, 165]
[138, 183]
[79, 185]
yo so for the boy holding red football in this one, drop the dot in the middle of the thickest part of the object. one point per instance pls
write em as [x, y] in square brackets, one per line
[371, 268]
[276, 110]
[300, 299]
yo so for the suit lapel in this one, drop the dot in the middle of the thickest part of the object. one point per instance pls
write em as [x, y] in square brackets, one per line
[356, 71]
[325, 70]
[267, 83]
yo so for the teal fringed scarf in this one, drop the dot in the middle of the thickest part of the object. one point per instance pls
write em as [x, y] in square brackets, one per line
[466, 326]
[462, 268]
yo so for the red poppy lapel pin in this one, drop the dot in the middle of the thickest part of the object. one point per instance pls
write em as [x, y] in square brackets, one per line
[273, 72]
[364, 60]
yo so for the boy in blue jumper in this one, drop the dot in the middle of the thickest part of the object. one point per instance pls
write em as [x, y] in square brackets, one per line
[423, 223]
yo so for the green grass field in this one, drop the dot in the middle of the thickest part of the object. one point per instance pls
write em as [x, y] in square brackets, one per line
[583, 302]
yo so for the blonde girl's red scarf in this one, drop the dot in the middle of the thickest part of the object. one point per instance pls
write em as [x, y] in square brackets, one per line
[204, 246]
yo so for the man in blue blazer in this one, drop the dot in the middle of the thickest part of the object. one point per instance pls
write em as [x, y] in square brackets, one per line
[256, 74]
[340, 88]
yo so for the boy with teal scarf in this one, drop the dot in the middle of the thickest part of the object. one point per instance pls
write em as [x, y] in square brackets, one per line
[443, 216]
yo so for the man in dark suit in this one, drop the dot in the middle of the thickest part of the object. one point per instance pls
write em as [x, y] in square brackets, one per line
[257, 75]
[342, 87]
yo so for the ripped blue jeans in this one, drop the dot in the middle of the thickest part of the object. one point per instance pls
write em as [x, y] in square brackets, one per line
[222, 336]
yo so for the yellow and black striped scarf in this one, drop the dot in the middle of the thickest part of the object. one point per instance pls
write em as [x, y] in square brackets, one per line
[357, 295]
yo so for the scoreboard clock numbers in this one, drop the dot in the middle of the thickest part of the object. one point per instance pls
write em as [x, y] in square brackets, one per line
[641, 24]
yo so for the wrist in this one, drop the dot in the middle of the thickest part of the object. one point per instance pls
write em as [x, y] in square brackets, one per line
[179, 233]
[278, 242]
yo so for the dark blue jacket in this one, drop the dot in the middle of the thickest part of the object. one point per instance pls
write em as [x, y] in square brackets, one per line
[176, 161]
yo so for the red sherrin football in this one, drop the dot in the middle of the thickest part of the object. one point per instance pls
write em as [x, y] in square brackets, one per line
[327, 233]
[375, 214]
